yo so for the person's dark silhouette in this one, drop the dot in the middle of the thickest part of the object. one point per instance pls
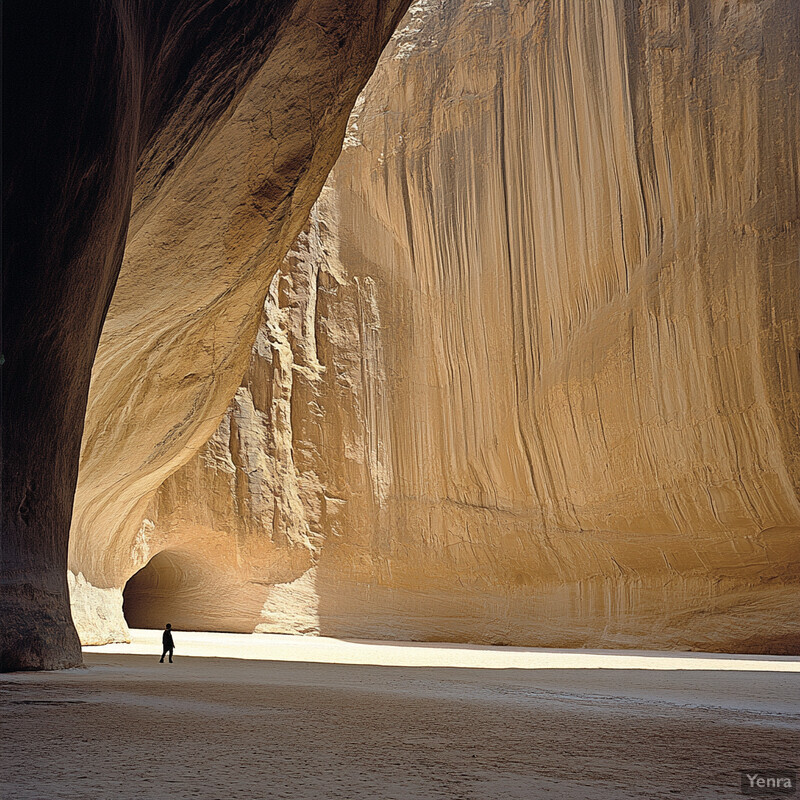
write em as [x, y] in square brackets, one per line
[169, 645]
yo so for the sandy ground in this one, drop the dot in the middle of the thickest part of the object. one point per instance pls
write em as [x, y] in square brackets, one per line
[262, 716]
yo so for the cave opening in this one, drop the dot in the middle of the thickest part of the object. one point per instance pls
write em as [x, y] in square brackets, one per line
[162, 591]
[193, 592]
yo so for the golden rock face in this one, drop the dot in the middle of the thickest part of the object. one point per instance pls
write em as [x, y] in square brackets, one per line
[530, 373]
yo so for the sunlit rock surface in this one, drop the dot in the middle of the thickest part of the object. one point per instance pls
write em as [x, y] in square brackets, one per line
[530, 375]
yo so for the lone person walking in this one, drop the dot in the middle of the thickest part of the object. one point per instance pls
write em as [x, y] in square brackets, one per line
[169, 645]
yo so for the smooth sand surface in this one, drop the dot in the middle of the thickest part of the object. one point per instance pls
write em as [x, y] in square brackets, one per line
[263, 716]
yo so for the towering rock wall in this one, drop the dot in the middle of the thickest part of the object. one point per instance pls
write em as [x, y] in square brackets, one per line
[530, 375]
[195, 137]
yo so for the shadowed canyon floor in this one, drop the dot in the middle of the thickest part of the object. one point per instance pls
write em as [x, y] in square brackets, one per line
[301, 717]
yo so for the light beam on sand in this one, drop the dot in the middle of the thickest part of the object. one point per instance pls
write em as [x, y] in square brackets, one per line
[325, 650]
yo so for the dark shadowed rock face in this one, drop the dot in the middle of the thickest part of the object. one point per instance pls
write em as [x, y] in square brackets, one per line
[103, 104]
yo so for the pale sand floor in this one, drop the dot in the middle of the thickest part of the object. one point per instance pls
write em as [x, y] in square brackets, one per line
[300, 717]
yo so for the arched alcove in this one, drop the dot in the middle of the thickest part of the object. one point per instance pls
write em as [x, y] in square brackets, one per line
[192, 593]
[161, 590]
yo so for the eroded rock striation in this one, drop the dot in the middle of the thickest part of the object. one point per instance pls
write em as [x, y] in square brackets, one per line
[530, 374]
[195, 137]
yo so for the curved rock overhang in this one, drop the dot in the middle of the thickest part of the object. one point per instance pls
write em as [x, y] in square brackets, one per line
[122, 102]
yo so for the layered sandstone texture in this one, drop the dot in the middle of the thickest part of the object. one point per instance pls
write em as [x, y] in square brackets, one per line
[530, 374]
[195, 137]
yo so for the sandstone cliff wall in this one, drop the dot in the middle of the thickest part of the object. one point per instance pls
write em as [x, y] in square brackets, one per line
[530, 376]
